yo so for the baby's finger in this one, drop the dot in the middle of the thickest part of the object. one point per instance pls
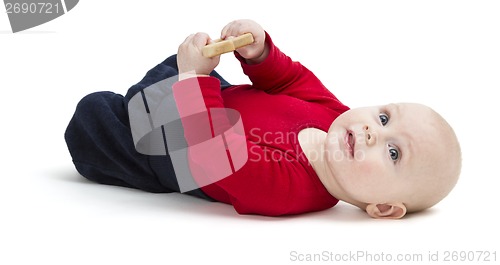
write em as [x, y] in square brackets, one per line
[201, 39]
[188, 38]
[233, 29]
[227, 30]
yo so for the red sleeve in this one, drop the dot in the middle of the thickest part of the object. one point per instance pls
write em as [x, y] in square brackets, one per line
[195, 97]
[187, 90]
[278, 74]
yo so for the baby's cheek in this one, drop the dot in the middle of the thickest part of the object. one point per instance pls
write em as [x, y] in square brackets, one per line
[369, 173]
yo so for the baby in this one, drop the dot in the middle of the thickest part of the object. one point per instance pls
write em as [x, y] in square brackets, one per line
[400, 158]
[304, 149]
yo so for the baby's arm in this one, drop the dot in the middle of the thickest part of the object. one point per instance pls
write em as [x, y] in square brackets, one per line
[271, 70]
[257, 51]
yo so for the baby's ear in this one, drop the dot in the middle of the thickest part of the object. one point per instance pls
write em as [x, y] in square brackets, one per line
[386, 210]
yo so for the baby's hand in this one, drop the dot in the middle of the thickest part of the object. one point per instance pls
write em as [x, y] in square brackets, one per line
[190, 60]
[255, 52]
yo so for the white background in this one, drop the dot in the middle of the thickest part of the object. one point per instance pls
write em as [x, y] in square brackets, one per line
[445, 54]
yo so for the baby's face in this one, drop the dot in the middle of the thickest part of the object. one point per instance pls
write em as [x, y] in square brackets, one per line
[379, 154]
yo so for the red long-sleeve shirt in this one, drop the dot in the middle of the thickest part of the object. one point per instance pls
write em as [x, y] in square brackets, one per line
[284, 98]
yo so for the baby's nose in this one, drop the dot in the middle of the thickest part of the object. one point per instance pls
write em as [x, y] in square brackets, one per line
[369, 136]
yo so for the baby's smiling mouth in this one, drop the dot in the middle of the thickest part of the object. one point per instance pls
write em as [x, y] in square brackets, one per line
[350, 141]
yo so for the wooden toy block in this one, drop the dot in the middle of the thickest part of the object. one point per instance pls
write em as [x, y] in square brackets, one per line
[229, 45]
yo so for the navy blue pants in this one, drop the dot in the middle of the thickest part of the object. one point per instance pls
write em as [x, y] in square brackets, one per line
[100, 142]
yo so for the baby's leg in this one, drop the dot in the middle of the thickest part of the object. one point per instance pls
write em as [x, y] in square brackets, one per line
[100, 143]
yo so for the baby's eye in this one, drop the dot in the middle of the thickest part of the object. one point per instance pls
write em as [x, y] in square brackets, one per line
[393, 153]
[384, 119]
